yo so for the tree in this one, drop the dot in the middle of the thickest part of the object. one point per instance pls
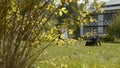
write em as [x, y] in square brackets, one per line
[77, 14]
[113, 29]
[25, 26]
[72, 12]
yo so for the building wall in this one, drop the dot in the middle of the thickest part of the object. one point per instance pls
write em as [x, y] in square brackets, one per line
[100, 24]
[111, 8]
[103, 21]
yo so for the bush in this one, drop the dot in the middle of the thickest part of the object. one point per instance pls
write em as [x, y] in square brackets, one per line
[114, 28]
[108, 38]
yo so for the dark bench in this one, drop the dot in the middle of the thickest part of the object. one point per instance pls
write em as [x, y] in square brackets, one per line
[93, 42]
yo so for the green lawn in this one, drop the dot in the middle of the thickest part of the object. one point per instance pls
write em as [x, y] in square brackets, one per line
[80, 56]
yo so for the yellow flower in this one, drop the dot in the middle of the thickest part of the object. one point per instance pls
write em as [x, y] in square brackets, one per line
[61, 36]
[63, 57]
[70, 31]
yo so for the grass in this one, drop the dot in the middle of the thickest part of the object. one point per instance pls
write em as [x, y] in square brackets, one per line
[80, 56]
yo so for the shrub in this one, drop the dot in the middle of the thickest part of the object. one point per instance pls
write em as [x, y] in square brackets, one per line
[114, 28]
[108, 38]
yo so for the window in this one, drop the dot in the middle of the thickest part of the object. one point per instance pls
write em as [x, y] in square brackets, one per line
[95, 17]
[108, 17]
[89, 29]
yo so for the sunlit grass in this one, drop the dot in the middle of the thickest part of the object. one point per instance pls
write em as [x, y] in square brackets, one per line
[80, 56]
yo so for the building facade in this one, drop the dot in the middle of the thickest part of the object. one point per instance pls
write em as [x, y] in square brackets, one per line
[111, 8]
